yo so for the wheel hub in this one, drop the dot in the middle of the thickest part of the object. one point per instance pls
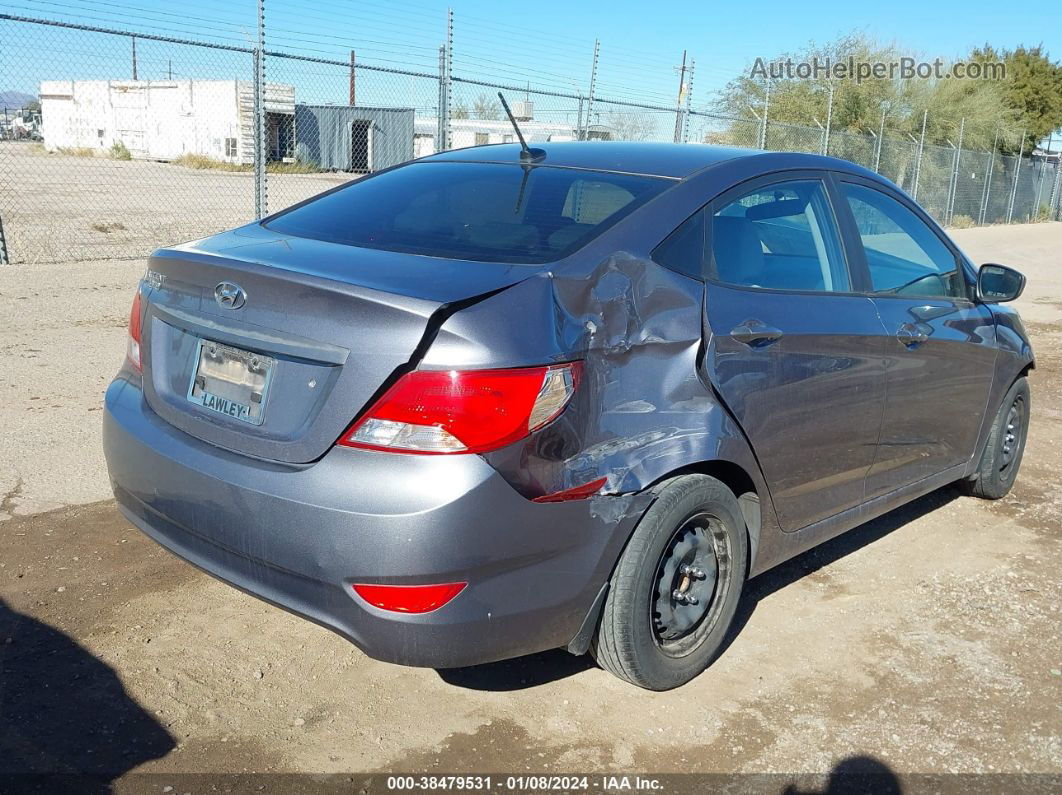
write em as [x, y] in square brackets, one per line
[1011, 437]
[686, 582]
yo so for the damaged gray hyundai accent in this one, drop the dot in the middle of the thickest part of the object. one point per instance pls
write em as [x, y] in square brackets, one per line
[501, 400]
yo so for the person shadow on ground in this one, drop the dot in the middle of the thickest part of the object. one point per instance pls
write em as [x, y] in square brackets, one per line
[66, 721]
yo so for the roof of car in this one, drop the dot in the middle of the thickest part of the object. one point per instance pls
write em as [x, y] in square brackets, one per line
[658, 159]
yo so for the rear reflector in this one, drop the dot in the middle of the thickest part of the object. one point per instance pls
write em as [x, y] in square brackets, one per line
[409, 598]
[464, 411]
[133, 348]
[575, 493]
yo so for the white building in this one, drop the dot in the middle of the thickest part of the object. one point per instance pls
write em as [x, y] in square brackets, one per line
[478, 132]
[164, 119]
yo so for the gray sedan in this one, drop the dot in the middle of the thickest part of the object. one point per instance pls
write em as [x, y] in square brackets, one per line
[499, 400]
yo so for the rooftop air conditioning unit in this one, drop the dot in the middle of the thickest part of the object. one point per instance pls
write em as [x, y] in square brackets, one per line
[524, 111]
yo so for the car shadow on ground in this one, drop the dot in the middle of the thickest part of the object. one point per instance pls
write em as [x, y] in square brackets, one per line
[66, 721]
[539, 669]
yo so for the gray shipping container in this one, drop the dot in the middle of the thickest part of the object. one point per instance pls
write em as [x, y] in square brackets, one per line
[355, 139]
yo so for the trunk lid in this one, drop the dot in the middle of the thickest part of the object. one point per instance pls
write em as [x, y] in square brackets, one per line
[331, 323]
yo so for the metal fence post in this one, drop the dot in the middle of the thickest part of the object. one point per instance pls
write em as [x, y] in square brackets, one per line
[448, 87]
[953, 186]
[766, 110]
[593, 81]
[1056, 199]
[829, 121]
[1043, 174]
[881, 137]
[985, 192]
[689, 103]
[921, 149]
[1017, 172]
[261, 204]
[440, 122]
[4, 260]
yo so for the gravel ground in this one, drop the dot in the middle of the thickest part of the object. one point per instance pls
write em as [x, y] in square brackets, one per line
[927, 639]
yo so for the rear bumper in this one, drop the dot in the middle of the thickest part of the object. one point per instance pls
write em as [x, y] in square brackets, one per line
[298, 537]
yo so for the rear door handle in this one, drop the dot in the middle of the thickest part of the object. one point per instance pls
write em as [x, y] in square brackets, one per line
[911, 334]
[755, 333]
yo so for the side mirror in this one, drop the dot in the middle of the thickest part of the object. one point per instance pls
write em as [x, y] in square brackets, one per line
[998, 283]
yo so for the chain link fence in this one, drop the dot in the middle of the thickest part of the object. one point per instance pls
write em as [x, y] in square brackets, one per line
[129, 140]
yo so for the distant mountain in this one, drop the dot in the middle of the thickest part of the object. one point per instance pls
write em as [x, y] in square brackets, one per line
[14, 100]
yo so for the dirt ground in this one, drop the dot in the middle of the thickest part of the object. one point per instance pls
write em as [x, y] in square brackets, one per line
[927, 640]
[99, 207]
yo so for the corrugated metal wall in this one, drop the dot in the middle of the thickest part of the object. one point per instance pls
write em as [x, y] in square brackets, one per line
[324, 136]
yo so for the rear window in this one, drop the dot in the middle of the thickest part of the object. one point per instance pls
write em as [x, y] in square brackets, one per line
[476, 211]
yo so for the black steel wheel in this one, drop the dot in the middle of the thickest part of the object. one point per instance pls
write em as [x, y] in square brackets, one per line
[1004, 447]
[694, 570]
[675, 590]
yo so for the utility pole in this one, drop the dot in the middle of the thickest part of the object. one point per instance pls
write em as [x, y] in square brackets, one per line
[134, 57]
[678, 103]
[352, 93]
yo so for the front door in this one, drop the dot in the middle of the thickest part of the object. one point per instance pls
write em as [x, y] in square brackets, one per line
[940, 346]
[795, 353]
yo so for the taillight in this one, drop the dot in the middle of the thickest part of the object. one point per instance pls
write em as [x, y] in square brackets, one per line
[133, 348]
[409, 598]
[464, 411]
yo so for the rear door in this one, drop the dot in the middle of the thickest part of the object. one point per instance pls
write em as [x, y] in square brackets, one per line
[794, 351]
[940, 345]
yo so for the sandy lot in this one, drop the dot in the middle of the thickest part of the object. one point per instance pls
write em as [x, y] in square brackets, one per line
[98, 207]
[927, 640]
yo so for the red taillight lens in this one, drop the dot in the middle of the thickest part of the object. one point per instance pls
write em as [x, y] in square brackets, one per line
[409, 598]
[464, 411]
[133, 348]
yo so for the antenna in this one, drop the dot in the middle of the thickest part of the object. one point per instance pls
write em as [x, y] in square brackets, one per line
[527, 154]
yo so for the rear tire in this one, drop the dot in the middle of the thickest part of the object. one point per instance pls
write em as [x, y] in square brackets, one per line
[1005, 446]
[675, 590]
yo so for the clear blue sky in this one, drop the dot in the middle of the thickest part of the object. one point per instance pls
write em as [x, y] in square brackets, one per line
[547, 42]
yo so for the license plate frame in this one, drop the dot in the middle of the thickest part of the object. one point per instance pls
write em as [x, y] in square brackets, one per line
[238, 395]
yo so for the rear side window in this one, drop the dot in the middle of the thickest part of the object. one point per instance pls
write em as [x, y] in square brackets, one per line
[491, 212]
[683, 249]
[904, 256]
[780, 237]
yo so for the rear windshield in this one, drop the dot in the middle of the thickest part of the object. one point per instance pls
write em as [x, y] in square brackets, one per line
[477, 211]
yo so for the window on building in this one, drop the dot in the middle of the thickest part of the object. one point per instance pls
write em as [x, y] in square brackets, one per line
[230, 147]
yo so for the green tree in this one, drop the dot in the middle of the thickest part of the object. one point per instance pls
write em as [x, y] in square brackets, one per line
[1031, 92]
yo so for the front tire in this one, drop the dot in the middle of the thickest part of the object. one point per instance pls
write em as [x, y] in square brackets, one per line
[675, 590]
[1005, 446]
